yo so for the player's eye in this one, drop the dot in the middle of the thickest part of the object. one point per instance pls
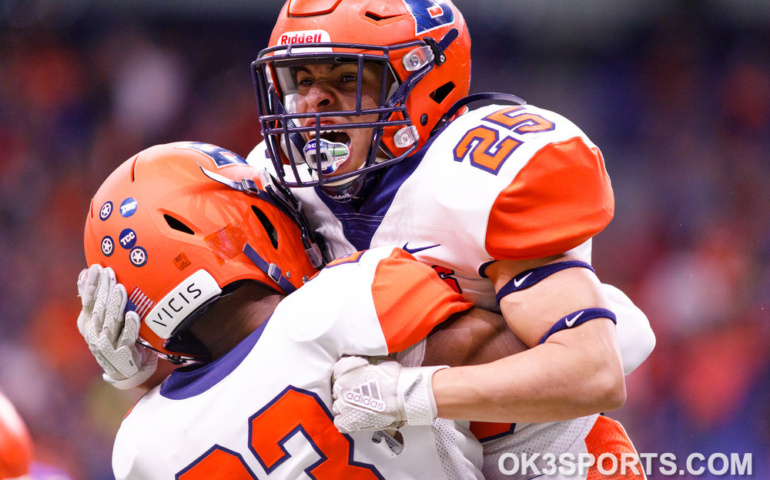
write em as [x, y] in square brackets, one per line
[303, 84]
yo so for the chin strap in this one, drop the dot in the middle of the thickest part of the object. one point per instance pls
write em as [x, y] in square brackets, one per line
[272, 270]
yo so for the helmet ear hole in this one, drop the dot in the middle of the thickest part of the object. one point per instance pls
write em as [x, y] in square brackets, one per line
[177, 224]
[272, 233]
[438, 95]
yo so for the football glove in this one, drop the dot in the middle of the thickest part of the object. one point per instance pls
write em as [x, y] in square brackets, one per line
[378, 394]
[110, 331]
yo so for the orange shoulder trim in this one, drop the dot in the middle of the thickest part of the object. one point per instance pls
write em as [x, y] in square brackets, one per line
[560, 199]
[410, 300]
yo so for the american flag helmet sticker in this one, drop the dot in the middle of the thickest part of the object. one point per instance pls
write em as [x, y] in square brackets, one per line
[141, 301]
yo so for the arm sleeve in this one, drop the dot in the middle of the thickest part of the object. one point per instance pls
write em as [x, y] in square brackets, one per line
[560, 199]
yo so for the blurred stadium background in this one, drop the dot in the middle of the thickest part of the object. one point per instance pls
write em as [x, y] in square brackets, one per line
[675, 93]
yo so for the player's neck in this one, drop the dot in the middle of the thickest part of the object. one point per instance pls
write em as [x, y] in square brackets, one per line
[233, 318]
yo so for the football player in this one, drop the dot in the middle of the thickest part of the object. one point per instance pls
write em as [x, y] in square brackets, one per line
[502, 201]
[208, 249]
[364, 109]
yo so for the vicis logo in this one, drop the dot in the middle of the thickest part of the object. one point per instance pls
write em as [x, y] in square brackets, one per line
[180, 302]
[304, 36]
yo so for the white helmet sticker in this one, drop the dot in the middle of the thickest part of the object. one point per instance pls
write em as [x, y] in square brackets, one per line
[180, 302]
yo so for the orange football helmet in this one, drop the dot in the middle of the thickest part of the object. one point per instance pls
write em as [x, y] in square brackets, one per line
[182, 224]
[423, 45]
[15, 442]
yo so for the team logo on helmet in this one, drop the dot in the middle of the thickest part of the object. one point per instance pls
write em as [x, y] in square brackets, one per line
[128, 207]
[105, 211]
[221, 156]
[108, 246]
[127, 238]
[429, 14]
[138, 256]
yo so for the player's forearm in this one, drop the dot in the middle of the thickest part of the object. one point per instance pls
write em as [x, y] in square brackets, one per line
[576, 373]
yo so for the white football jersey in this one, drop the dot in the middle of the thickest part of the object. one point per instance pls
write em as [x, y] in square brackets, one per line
[497, 183]
[478, 191]
[263, 409]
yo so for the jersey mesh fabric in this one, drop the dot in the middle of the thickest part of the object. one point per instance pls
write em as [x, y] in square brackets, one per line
[444, 433]
[538, 438]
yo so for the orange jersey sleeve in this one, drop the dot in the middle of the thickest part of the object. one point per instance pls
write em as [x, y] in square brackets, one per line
[410, 300]
[560, 199]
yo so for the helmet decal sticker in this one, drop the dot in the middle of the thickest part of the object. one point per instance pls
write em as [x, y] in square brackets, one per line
[138, 256]
[142, 302]
[184, 299]
[128, 207]
[221, 156]
[181, 261]
[429, 14]
[105, 211]
[127, 238]
[108, 246]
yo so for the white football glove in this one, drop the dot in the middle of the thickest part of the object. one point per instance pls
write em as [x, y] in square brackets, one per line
[378, 393]
[110, 331]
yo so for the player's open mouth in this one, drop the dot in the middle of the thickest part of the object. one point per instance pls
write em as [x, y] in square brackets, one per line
[334, 136]
[327, 153]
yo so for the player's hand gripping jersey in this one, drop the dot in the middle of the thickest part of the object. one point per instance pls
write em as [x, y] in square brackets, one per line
[263, 409]
[498, 183]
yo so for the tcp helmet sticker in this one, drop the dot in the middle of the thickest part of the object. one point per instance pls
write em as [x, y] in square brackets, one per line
[128, 207]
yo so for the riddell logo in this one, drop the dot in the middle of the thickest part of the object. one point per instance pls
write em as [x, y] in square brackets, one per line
[305, 36]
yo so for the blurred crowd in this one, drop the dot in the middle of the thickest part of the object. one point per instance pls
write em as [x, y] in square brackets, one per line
[680, 111]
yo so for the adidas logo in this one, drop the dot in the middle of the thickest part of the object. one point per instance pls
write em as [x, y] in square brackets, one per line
[366, 396]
